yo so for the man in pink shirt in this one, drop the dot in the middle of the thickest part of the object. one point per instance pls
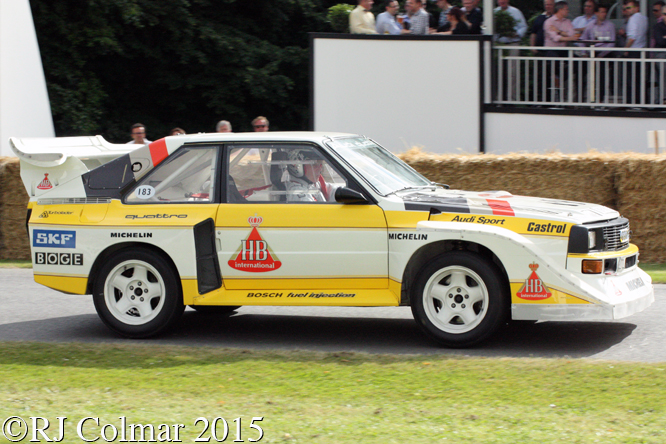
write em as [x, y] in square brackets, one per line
[558, 29]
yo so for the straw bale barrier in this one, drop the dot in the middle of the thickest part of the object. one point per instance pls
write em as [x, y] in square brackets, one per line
[13, 201]
[632, 183]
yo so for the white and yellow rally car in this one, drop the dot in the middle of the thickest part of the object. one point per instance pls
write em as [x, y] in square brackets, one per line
[216, 221]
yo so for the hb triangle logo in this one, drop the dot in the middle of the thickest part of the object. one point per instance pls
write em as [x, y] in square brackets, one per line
[254, 254]
[45, 184]
[534, 288]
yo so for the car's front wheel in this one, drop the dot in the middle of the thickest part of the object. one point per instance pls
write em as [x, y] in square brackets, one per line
[459, 299]
[137, 294]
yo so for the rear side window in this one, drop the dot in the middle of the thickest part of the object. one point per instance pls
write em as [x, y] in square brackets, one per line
[187, 176]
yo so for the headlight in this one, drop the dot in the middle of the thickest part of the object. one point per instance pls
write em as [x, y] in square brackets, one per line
[591, 239]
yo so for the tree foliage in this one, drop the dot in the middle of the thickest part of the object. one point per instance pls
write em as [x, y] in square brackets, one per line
[167, 63]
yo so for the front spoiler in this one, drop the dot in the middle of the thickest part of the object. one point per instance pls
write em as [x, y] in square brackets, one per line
[583, 312]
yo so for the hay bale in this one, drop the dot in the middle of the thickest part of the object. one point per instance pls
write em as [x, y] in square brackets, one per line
[14, 242]
[555, 176]
[641, 185]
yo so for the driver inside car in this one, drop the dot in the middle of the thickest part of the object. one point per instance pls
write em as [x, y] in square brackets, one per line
[303, 179]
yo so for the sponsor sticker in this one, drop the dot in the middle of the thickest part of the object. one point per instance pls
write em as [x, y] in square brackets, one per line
[144, 192]
[534, 289]
[47, 213]
[635, 284]
[42, 258]
[45, 184]
[54, 238]
[254, 254]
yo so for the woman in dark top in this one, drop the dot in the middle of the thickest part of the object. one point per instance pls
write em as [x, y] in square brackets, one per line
[458, 24]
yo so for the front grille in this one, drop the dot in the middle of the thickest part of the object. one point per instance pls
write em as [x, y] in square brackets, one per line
[612, 238]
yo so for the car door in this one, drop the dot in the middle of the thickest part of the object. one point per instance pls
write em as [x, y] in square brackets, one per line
[281, 228]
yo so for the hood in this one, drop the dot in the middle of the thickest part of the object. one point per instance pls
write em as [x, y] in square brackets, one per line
[502, 203]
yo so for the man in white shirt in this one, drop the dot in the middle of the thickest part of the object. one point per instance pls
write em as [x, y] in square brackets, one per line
[138, 133]
[361, 20]
[386, 23]
[520, 28]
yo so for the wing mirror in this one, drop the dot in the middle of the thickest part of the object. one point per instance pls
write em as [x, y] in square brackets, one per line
[348, 196]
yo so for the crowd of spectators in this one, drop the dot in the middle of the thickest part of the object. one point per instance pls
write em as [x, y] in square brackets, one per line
[552, 30]
[138, 130]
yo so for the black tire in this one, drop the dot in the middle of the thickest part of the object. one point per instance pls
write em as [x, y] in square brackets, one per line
[459, 299]
[215, 309]
[137, 294]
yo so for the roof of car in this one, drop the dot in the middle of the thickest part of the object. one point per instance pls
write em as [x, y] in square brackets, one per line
[282, 136]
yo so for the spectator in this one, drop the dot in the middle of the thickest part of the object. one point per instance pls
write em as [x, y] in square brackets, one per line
[656, 12]
[559, 30]
[260, 124]
[473, 15]
[176, 131]
[138, 132]
[636, 33]
[511, 68]
[223, 126]
[581, 22]
[419, 20]
[386, 23]
[456, 23]
[521, 24]
[600, 29]
[537, 36]
[361, 20]
[444, 7]
[660, 33]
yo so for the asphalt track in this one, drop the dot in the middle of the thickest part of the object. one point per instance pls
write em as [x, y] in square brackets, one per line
[31, 312]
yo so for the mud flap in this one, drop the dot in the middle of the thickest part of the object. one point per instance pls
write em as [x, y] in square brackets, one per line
[208, 267]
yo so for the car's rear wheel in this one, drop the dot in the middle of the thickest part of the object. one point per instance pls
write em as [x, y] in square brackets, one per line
[459, 299]
[137, 294]
[215, 309]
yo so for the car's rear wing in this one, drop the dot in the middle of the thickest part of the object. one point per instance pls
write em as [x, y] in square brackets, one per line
[69, 167]
[50, 163]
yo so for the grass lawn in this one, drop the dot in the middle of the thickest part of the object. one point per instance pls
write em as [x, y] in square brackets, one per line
[334, 397]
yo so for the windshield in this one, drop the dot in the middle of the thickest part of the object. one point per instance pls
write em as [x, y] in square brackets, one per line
[381, 169]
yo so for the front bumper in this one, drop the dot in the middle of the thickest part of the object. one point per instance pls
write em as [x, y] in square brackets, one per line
[623, 295]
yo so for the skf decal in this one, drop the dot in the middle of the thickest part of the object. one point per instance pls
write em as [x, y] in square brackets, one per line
[533, 289]
[254, 254]
[54, 239]
[45, 184]
[58, 258]
[407, 236]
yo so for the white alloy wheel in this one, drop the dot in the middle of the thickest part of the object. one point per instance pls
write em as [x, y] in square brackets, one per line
[137, 293]
[460, 298]
[134, 292]
[455, 299]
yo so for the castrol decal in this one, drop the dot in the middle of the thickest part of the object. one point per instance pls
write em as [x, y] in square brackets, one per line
[254, 255]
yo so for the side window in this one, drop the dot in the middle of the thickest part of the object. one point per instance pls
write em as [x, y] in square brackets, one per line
[187, 176]
[281, 173]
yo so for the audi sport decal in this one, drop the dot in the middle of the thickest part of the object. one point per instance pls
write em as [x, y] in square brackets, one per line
[45, 184]
[534, 289]
[254, 254]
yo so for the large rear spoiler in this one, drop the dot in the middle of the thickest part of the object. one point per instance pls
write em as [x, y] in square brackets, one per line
[54, 165]
[53, 151]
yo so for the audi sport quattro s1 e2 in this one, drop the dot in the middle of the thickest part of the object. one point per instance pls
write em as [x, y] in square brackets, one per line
[217, 221]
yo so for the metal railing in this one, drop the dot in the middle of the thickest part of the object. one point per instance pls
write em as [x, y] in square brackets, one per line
[592, 77]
